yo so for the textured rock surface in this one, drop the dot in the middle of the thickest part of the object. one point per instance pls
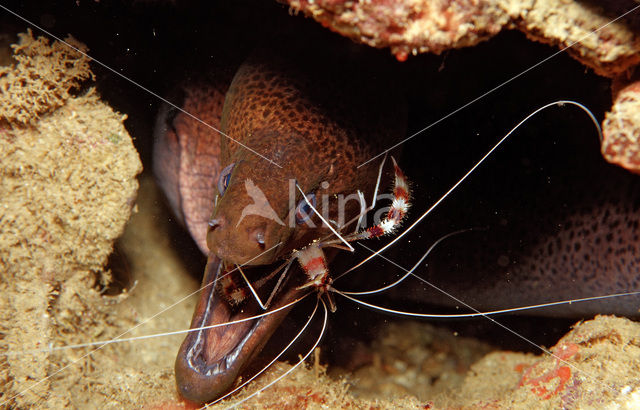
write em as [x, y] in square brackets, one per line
[597, 36]
[621, 129]
[67, 182]
[420, 26]
[593, 366]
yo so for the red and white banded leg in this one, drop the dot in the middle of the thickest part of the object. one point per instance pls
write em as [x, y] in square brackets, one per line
[314, 263]
[398, 210]
[313, 260]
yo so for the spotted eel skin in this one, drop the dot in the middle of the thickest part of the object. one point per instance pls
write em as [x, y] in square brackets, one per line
[309, 116]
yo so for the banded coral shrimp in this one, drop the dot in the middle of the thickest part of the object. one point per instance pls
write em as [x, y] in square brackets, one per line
[417, 180]
[298, 334]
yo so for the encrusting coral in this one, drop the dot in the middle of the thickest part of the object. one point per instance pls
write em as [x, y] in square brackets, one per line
[621, 129]
[68, 183]
[595, 365]
[602, 37]
[423, 26]
[42, 79]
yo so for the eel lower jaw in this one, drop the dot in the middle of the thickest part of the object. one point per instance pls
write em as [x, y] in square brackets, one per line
[210, 360]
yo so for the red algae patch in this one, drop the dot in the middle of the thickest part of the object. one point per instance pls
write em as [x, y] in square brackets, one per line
[595, 365]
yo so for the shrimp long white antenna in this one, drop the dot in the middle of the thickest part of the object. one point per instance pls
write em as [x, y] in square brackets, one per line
[175, 332]
[495, 312]
[39, 382]
[409, 272]
[364, 209]
[473, 101]
[253, 291]
[302, 360]
[140, 86]
[304, 196]
[477, 312]
[487, 315]
[473, 168]
[375, 190]
[311, 316]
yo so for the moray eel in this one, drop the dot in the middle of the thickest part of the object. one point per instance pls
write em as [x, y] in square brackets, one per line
[312, 117]
[296, 115]
[577, 237]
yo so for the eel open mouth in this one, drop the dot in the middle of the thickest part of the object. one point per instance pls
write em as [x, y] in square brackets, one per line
[210, 360]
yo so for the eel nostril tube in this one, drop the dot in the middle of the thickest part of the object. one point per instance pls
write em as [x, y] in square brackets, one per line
[259, 237]
[216, 223]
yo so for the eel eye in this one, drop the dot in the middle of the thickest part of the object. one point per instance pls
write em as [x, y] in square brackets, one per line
[225, 176]
[170, 119]
[303, 210]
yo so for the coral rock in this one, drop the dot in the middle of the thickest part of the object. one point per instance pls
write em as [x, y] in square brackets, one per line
[621, 129]
[67, 182]
[420, 26]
